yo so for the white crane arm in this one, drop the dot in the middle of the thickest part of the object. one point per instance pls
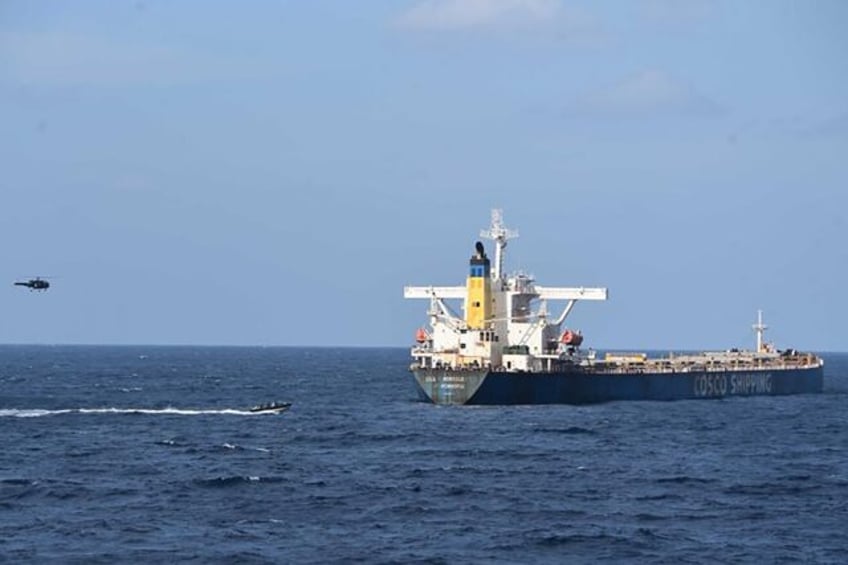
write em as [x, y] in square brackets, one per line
[571, 293]
[434, 292]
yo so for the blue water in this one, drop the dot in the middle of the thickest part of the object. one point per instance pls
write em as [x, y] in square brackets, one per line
[131, 454]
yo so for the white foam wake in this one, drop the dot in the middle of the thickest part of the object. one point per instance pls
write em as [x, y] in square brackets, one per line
[37, 412]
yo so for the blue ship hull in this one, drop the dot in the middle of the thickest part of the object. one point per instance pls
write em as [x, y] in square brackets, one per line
[446, 386]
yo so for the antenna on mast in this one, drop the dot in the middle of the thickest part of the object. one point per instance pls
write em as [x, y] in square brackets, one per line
[760, 328]
[500, 235]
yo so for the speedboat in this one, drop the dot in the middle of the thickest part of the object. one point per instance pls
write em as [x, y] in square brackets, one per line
[272, 407]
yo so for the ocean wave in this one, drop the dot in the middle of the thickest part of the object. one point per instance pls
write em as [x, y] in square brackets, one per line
[568, 430]
[683, 479]
[235, 480]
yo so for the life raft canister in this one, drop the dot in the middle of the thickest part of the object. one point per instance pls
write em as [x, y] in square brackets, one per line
[571, 338]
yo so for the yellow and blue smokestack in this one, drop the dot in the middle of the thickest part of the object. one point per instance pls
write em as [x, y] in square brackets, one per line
[478, 290]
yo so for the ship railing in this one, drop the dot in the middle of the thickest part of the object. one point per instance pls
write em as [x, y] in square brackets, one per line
[666, 367]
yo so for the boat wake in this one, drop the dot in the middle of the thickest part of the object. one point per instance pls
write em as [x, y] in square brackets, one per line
[37, 412]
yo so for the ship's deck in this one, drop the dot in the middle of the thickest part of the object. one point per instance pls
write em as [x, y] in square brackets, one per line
[628, 363]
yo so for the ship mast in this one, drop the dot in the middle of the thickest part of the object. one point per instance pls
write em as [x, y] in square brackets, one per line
[500, 235]
[760, 327]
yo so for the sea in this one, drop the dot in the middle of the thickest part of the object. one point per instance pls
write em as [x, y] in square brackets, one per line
[150, 454]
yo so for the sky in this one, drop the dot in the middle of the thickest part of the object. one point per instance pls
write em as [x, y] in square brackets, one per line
[274, 173]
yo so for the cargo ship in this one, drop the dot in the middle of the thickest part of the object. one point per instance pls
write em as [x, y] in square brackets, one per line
[508, 348]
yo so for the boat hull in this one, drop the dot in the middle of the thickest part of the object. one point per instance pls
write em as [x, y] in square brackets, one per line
[446, 386]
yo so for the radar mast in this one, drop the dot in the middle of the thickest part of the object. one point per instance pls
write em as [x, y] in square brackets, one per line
[500, 235]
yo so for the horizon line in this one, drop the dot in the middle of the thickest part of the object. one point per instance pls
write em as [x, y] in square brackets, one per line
[284, 346]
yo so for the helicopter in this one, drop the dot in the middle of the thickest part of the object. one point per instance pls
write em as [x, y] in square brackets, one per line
[34, 284]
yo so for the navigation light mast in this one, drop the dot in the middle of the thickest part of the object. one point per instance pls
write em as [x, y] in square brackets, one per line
[760, 327]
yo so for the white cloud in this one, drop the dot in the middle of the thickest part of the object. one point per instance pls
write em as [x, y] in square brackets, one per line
[647, 92]
[451, 15]
[75, 59]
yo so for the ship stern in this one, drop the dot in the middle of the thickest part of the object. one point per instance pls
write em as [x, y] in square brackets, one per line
[448, 386]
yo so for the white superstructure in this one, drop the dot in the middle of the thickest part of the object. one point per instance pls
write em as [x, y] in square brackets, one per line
[505, 321]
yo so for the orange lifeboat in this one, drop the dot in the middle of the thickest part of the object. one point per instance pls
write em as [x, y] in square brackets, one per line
[571, 338]
[421, 335]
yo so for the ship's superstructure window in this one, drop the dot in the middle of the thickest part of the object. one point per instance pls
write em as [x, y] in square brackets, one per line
[488, 336]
